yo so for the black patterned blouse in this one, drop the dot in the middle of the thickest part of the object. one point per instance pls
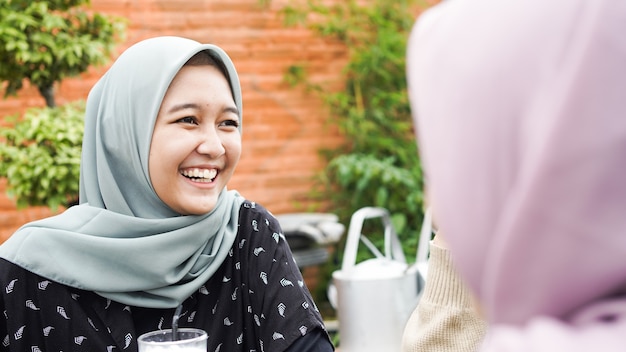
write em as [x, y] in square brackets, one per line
[256, 301]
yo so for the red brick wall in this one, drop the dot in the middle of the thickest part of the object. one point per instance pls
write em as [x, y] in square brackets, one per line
[283, 127]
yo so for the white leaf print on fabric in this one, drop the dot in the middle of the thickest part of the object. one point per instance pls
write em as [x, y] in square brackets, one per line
[255, 226]
[160, 324]
[303, 329]
[92, 324]
[267, 222]
[75, 296]
[227, 322]
[5, 341]
[62, 313]
[263, 276]
[47, 330]
[241, 243]
[257, 320]
[19, 333]
[305, 305]
[79, 340]
[300, 283]
[240, 339]
[127, 340]
[284, 282]
[9, 288]
[191, 316]
[276, 237]
[110, 348]
[31, 305]
[127, 308]
[35, 349]
[234, 295]
[277, 336]
[238, 265]
[108, 304]
[203, 290]
[258, 251]
[219, 347]
[225, 279]
[281, 309]
[43, 285]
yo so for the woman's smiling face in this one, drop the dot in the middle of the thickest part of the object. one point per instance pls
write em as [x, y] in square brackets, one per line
[196, 143]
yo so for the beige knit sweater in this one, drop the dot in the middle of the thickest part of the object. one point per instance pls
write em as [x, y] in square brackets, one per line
[445, 320]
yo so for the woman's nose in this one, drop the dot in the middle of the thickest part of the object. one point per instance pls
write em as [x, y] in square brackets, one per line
[210, 143]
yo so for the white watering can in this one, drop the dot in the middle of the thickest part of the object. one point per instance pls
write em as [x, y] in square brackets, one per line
[375, 297]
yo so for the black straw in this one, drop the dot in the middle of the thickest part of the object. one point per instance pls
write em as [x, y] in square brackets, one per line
[175, 322]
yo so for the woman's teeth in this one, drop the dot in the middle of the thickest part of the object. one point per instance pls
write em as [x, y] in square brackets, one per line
[200, 175]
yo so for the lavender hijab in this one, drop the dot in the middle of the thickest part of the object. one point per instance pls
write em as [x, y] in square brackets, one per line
[122, 241]
[520, 110]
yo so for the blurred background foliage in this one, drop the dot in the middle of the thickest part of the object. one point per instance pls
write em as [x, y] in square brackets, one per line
[378, 164]
[41, 155]
[43, 42]
[46, 41]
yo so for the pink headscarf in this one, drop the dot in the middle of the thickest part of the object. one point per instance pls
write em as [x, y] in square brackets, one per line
[520, 110]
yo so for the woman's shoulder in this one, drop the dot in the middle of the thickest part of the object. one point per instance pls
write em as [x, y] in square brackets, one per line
[18, 283]
[249, 206]
[10, 273]
[258, 227]
[257, 217]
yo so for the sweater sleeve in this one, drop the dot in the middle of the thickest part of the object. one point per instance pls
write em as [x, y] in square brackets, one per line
[445, 320]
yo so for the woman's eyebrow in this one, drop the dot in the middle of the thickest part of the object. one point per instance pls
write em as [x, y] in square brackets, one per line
[233, 109]
[184, 106]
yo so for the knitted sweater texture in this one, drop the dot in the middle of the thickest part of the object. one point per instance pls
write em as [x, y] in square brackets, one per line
[445, 320]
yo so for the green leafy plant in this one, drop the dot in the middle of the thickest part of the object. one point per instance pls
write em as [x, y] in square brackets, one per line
[44, 42]
[47, 41]
[378, 164]
[40, 156]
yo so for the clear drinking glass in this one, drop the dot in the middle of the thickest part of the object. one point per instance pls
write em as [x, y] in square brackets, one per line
[189, 340]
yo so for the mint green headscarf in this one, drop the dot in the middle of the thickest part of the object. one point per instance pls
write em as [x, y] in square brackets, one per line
[122, 241]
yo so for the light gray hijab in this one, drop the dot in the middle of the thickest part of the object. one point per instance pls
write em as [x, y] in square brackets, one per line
[122, 241]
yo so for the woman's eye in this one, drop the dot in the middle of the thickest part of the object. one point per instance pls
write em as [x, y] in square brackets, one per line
[188, 119]
[230, 123]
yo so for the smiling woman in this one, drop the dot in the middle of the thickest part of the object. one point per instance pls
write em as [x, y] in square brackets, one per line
[156, 229]
[196, 142]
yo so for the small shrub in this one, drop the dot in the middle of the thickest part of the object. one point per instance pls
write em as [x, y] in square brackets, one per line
[40, 155]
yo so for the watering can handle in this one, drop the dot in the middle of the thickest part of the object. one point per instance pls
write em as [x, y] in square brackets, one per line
[426, 234]
[393, 248]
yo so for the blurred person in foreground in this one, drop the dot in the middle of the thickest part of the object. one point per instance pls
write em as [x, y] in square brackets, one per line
[520, 110]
